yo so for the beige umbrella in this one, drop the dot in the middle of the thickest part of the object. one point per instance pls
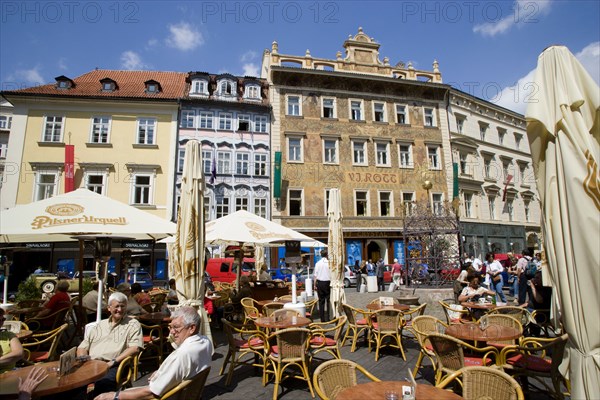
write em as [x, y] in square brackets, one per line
[564, 133]
[335, 244]
[187, 252]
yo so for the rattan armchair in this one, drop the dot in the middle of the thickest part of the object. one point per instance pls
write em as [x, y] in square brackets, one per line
[310, 307]
[250, 309]
[126, 372]
[333, 376]
[485, 383]
[357, 324]
[538, 358]
[386, 323]
[503, 320]
[411, 314]
[450, 357]
[286, 297]
[48, 322]
[189, 388]
[455, 315]
[243, 341]
[423, 326]
[41, 347]
[520, 313]
[291, 350]
[268, 308]
[325, 336]
[153, 346]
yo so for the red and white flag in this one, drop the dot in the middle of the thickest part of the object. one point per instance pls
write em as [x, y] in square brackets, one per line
[508, 179]
[69, 168]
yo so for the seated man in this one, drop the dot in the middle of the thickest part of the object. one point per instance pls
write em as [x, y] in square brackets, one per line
[58, 301]
[133, 308]
[139, 295]
[192, 356]
[112, 340]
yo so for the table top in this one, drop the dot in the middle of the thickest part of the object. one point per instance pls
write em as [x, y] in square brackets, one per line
[377, 307]
[88, 372]
[155, 317]
[480, 306]
[289, 322]
[376, 390]
[26, 310]
[494, 332]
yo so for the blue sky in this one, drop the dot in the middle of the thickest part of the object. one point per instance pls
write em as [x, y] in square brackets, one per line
[486, 48]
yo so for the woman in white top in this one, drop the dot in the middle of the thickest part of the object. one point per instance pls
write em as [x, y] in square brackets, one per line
[494, 270]
[473, 290]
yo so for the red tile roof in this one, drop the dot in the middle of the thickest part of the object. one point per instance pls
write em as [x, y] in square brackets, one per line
[130, 84]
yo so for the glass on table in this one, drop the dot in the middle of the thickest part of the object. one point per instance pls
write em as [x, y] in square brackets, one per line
[391, 395]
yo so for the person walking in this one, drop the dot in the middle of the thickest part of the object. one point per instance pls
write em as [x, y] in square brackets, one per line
[522, 264]
[494, 271]
[397, 273]
[323, 285]
[379, 272]
[358, 273]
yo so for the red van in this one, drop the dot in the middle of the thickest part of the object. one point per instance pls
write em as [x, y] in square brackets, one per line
[225, 269]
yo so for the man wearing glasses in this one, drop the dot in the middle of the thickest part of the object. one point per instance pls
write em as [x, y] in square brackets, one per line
[112, 340]
[192, 355]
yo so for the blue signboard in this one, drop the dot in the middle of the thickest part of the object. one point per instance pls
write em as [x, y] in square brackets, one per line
[353, 251]
[399, 251]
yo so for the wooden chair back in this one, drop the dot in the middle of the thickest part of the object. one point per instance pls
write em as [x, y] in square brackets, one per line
[485, 383]
[189, 389]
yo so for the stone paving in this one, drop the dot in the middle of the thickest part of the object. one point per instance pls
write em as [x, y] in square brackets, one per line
[247, 380]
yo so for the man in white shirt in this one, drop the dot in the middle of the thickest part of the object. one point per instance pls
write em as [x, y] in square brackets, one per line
[192, 356]
[322, 284]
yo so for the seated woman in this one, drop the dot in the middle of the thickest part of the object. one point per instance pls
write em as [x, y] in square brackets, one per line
[11, 350]
[139, 295]
[473, 292]
[264, 275]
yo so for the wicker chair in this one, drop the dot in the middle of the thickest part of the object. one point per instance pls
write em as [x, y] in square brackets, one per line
[409, 315]
[357, 323]
[37, 324]
[485, 383]
[386, 323]
[268, 308]
[333, 376]
[153, 346]
[292, 349]
[41, 347]
[503, 320]
[243, 341]
[452, 313]
[188, 389]
[422, 326]
[250, 309]
[310, 307]
[126, 372]
[284, 313]
[326, 336]
[541, 319]
[521, 314]
[538, 358]
[450, 356]
[287, 297]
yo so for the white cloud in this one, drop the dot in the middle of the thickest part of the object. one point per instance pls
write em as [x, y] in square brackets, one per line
[62, 64]
[517, 97]
[184, 37]
[152, 42]
[248, 56]
[26, 77]
[250, 69]
[131, 60]
[523, 12]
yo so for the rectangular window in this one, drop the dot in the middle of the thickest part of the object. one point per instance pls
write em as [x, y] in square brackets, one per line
[242, 163]
[295, 202]
[510, 209]
[487, 168]
[260, 124]
[260, 164]
[330, 151]
[469, 205]
[253, 92]
[379, 112]
[260, 207]
[206, 120]
[180, 159]
[5, 122]
[328, 107]
[401, 114]
[527, 211]
[187, 118]
[225, 121]
[428, 116]
[327, 192]
[100, 128]
[382, 153]
[505, 172]
[223, 162]
[385, 204]
[501, 135]
[361, 201]
[482, 131]
[207, 160]
[518, 138]
[244, 123]
[356, 113]
[146, 130]
[222, 206]
[207, 207]
[492, 206]
[46, 184]
[95, 183]
[408, 201]
[438, 205]
[293, 105]
[241, 203]
[460, 122]
[405, 154]
[141, 189]
[463, 164]
[53, 127]
[359, 153]
[433, 155]
[295, 149]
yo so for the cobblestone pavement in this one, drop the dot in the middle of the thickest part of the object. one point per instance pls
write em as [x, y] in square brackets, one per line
[247, 380]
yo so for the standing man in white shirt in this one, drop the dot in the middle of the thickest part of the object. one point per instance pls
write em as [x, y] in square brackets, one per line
[323, 285]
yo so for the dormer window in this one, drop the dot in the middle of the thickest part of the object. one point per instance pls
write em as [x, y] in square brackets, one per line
[62, 82]
[252, 92]
[152, 86]
[199, 86]
[108, 85]
[226, 88]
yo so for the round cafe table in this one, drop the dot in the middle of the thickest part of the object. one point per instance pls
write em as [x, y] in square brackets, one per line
[493, 333]
[88, 372]
[289, 322]
[377, 307]
[377, 390]
[21, 313]
[477, 305]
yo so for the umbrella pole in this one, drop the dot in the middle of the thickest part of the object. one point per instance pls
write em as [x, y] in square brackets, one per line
[239, 270]
[79, 328]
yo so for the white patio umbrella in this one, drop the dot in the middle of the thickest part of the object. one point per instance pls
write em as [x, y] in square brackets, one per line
[335, 244]
[187, 252]
[563, 127]
[259, 259]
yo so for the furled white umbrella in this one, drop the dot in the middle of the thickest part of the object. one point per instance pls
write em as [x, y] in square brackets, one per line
[335, 244]
[187, 252]
[259, 259]
[563, 126]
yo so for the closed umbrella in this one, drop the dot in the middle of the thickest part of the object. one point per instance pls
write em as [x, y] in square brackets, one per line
[335, 244]
[187, 252]
[564, 133]
[259, 259]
